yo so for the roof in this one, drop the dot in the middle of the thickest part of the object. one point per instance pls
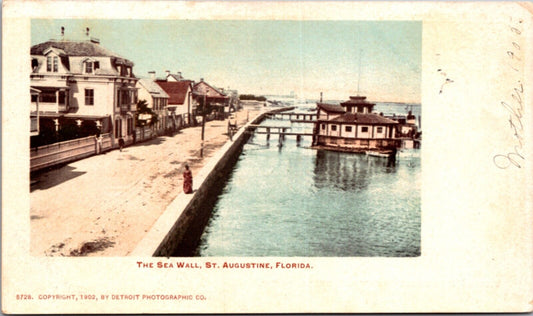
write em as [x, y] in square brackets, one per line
[354, 100]
[212, 92]
[176, 90]
[76, 48]
[362, 118]
[331, 107]
[153, 88]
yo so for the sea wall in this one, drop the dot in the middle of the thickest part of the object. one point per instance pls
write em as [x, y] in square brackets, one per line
[178, 229]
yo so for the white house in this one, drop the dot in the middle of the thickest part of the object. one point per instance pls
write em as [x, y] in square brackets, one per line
[157, 100]
[84, 89]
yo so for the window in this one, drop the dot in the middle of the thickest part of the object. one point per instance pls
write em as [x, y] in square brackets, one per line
[96, 65]
[48, 96]
[348, 129]
[333, 128]
[364, 129]
[34, 63]
[52, 63]
[379, 129]
[89, 67]
[130, 125]
[118, 128]
[323, 126]
[89, 96]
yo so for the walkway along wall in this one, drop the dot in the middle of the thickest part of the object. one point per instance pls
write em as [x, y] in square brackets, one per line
[179, 228]
[72, 150]
[68, 151]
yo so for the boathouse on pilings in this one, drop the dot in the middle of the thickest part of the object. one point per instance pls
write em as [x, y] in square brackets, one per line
[351, 126]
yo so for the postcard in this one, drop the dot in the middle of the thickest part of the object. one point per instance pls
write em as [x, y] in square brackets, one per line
[266, 157]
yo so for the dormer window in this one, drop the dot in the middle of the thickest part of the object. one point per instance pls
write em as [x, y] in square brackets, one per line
[91, 66]
[52, 63]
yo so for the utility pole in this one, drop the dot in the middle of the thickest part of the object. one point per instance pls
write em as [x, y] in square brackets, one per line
[204, 109]
[203, 113]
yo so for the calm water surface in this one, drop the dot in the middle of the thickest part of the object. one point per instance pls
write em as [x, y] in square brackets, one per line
[296, 201]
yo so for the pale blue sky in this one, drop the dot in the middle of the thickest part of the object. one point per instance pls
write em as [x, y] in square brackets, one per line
[266, 57]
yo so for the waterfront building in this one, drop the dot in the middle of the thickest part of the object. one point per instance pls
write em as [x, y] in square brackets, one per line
[351, 126]
[215, 98]
[181, 105]
[157, 100]
[85, 90]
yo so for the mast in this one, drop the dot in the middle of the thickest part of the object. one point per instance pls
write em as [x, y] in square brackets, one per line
[359, 72]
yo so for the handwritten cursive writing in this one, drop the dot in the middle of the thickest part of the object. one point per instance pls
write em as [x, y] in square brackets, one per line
[515, 106]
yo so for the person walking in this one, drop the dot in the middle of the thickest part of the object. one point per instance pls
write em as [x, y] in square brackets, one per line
[187, 180]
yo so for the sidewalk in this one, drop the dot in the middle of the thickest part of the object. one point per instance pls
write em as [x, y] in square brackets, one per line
[103, 205]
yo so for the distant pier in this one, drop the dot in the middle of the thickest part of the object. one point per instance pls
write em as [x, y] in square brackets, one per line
[294, 116]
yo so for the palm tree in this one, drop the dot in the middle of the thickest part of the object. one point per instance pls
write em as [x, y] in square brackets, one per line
[142, 108]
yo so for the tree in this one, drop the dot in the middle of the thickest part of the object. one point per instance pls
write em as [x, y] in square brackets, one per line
[142, 108]
[251, 97]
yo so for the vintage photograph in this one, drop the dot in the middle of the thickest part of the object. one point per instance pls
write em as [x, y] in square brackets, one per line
[325, 118]
[266, 157]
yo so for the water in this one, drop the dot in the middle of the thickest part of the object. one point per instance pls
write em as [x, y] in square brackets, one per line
[297, 201]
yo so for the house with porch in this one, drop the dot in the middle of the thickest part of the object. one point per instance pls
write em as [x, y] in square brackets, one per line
[84, 89]
[351, 126]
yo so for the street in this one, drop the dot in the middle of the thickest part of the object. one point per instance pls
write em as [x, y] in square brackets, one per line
[103, 205]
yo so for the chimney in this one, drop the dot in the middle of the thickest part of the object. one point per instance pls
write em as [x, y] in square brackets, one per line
[320, 97]
[152, 74]
[179, 75]
[168, 72]
[201, 79]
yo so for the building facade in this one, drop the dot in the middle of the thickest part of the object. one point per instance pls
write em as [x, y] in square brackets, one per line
[157, 100]
[351, 126]
[213, 97]
[181, 105]
[84, 89]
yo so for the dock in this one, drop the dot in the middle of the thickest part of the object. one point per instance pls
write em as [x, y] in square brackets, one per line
[282, 131]
[294, 116]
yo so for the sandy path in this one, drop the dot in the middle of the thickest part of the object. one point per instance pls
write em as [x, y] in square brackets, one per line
[103, 205]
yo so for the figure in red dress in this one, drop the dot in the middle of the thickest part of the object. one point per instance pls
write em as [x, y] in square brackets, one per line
[187, 180]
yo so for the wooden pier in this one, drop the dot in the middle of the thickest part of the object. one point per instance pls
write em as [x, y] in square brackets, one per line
[295, 117]
[275, 130]
[282, 131]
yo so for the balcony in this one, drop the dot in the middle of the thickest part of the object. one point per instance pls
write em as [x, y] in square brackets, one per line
[49, 107]
[125, 108]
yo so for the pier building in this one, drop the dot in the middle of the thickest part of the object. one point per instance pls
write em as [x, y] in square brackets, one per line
[351, 126]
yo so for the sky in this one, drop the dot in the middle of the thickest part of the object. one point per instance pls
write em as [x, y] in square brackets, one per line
[268, 57]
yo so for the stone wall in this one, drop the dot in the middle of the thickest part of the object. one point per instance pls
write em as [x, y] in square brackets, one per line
[181, 225]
